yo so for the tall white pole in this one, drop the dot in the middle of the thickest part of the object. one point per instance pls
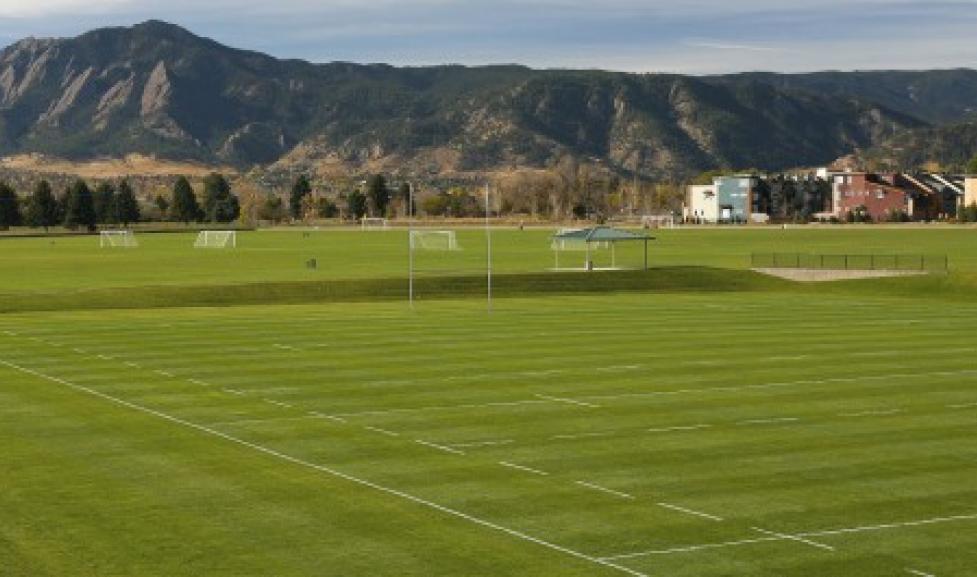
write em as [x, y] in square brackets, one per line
[488, 240]
[410, 246]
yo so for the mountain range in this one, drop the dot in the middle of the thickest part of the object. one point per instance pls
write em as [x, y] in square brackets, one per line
[157, 89]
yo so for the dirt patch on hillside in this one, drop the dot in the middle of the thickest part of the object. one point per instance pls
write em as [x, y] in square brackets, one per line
[818, 275]
[131, 165]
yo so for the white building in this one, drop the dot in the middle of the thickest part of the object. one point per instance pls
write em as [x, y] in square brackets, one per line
[970, 191]
[702, 205]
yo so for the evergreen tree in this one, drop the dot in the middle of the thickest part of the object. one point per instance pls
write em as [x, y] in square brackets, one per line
[184, 207]
[80, 208]
[126, 205]
[104, 200]
[378, 193]
[356, 205]
[220, 204]
[300, 190]
[162, 204]
[42, 207]
[9, 207]
[972, 166]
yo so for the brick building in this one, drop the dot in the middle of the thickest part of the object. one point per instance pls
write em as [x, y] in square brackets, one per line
[876, 194]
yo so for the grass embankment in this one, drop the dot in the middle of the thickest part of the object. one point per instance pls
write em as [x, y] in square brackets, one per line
[671, 279]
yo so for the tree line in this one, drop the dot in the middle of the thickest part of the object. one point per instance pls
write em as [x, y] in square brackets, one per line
[80, 206]
[219, 204]
[77, 207]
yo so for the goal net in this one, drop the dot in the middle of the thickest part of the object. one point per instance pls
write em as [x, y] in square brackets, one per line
[658, 221]
[216, 239]
[368, 223]
[117, 238]
[433, 240]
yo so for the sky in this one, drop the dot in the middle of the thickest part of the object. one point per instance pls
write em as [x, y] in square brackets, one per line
[683, 36]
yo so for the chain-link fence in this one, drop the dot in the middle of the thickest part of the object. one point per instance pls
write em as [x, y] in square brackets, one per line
[884, 262]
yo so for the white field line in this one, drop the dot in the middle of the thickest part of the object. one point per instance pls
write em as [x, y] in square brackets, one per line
[788, 358]
[770, 421]
[441, 408]
[692, 548]
[80, 351]
[877, 354]
[604, 490]
[568, 401]
[523, 468]
[133, 365]
[690, 512]
[878, 413]
[785, 384]
[919, 573]
[922, 523]
[327, 417]
[963, 406]
[259, 421]
[106, 358]
[439, 447]
[546, 373]
[233, 392]
[795, 538]
[198, 382]
[10, 333]
[618, 368]
[683, 428]
[286, 348]
[475, 444]
[814, 534]
[332, 472]
[583, 436]
[164, 373]
[277, 403]
[382, 431]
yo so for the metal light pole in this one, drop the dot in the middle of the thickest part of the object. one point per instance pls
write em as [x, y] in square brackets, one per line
[410, 246]
[488, 240]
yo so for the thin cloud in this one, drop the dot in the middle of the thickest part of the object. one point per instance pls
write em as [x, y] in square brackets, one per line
[731, 46]
[686, 36]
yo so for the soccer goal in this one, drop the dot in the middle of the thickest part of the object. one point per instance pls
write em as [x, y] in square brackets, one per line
[368, 223]
[117, 238]
[216, 239]
[433, 240]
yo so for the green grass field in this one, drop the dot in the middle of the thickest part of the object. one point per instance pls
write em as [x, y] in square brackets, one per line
[714, 423]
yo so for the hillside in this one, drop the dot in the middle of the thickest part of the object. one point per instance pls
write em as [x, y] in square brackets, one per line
[948, 148]
[156, 89]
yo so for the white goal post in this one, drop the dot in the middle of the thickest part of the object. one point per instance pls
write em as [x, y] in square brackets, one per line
[658, 221]
[216, 239]
[433, 240]
[117, 238]
[370, 223]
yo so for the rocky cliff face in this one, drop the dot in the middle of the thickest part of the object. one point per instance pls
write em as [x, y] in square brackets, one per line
[157, 89]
